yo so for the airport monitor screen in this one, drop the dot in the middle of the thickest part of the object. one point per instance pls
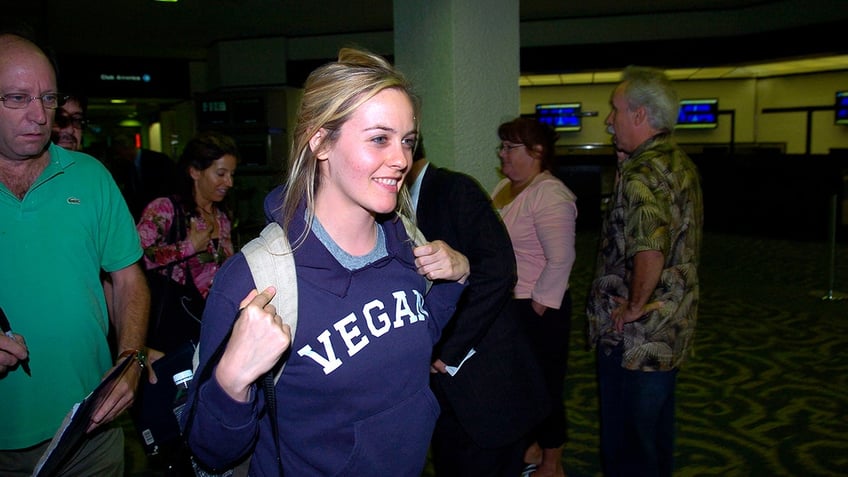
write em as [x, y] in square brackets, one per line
[698, 114]
[842, 107]
[563, 117]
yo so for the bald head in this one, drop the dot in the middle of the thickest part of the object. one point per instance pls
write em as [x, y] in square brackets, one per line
[25, 70]
[12, 45]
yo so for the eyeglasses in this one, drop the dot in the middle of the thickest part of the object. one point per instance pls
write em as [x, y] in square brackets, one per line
[21, 101]
[63, 121]
[508, 147]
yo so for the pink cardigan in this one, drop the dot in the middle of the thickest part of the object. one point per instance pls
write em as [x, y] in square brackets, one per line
[541, 223]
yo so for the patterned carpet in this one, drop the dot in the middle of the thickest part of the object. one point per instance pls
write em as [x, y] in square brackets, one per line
[767, 390]
[766, 393]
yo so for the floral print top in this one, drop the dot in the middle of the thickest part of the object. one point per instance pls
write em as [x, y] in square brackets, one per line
[656, 205]
[153, 230]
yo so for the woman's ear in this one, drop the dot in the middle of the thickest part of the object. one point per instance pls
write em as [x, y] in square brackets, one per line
[316, 144]
[536, 151]
[193, 172]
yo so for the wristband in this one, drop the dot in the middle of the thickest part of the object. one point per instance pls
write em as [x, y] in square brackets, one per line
[140, 356]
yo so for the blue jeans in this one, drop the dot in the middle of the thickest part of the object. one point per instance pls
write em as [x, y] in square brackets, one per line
[637, 419]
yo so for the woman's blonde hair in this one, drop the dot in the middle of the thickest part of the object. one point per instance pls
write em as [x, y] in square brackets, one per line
[331, 95]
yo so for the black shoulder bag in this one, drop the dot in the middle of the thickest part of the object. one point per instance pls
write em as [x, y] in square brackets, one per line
[175, 308]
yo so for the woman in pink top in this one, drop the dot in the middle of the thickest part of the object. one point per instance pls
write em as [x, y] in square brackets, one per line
[540, 214]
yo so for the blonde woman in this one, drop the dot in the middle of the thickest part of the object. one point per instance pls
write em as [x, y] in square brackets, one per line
[354, 397]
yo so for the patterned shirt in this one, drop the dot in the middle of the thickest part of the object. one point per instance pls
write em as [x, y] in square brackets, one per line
[153, 229]
[656, 206]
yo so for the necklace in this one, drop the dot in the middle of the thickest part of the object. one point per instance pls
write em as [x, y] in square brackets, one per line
[208, 216]
[211, 221]
[216, 250]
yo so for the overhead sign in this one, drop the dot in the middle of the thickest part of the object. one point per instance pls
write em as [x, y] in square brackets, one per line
[125, 77]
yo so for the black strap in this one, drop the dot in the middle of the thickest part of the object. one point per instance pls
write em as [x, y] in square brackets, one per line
[175, 234]
[268, 387]
[202, 374]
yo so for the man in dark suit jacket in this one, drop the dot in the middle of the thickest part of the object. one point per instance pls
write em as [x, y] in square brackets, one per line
[497, 395]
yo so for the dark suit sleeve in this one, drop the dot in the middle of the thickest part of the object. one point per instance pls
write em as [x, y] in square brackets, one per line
[480, 235]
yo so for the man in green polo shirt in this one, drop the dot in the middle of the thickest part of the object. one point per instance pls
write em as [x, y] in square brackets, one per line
[62, 221]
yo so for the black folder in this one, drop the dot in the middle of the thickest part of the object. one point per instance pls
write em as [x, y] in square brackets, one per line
[72, 432]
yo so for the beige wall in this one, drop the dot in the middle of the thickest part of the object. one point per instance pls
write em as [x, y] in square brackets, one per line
[807, 90]
[748, 97]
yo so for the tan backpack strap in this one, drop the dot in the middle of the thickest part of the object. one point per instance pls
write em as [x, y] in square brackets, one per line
[271, 262]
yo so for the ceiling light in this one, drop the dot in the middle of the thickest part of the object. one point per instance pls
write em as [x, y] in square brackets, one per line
[576, 78]
[761, 70]
[680, 73]
[606, 77]
[712, 73]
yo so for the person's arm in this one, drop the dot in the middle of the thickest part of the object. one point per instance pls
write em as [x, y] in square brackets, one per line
[132, 307]
[437, 260]
[219, 429]
[647, 269]
[555, 221]
[154, 229]
[131, 299]
[258, 341]
[649, 216]
[448, 270]
[441, 302]
[482, 237]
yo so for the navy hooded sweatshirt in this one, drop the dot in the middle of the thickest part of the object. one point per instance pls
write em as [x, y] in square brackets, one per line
[354, 398]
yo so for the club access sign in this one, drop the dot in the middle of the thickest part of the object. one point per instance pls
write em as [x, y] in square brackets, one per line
[143, 78]
[127, 77]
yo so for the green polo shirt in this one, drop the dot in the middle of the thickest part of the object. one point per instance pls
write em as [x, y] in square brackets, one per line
[72, 223]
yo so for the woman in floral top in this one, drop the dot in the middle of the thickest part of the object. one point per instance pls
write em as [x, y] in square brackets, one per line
[208, 163]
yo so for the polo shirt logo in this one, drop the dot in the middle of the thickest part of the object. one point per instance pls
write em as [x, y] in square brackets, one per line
[73, 201]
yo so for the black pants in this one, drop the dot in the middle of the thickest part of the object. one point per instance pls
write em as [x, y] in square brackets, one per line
[455, 454]
[549, 336]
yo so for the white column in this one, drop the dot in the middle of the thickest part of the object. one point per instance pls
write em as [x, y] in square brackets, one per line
[463, 57]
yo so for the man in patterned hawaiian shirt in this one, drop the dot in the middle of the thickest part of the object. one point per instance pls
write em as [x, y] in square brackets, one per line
[643, 303]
